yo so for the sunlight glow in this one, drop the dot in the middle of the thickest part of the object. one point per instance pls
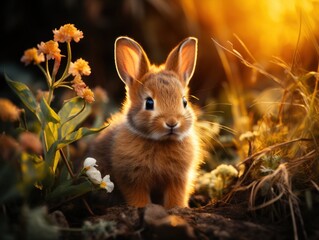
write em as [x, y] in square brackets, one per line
[268, 27]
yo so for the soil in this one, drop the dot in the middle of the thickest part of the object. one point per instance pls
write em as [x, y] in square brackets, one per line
[213, 221]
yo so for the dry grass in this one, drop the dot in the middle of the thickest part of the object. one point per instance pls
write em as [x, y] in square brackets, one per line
[280, 156]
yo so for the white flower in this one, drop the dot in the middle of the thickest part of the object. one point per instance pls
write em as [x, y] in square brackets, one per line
[94, 175]
[107, 184]
[89, 163]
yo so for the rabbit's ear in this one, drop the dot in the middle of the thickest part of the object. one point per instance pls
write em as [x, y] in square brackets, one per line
[182, 59]
[130, 60]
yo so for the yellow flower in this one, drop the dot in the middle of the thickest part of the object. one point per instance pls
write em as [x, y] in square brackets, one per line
[50, 49]
[78, 81]
[78, 85]
[82, 90]
[80, 67]
[66, 33]
[9, 112]
[31, 55]
[88, 95]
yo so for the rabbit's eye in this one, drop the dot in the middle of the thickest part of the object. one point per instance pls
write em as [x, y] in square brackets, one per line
[184, 102]
[149, 103]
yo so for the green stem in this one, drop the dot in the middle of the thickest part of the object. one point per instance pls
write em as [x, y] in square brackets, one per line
[66, 70]
[48, 76]
[88, 207]
[51, 89]
[65, 74]
[65, 160]
[60, 81]
[49, 80]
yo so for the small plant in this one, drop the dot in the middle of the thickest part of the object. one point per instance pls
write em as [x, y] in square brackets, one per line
[47, 167]
[218, 182]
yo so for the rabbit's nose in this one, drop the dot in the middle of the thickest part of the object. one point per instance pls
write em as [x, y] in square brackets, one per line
[171, 123]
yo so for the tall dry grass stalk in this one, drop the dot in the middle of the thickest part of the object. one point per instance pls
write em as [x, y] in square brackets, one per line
[281, 161]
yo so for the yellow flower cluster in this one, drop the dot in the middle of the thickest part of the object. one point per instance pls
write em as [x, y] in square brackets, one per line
[80, 67]
[32, 55]
[66, 33]
[77, 69]
[50, 50]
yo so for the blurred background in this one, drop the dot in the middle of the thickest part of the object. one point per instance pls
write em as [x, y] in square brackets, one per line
[284, 28]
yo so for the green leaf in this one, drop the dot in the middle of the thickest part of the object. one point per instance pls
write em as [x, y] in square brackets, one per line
[51, 133]
[49, 115]
[53, 155]
[34, 169]
[51, 125]
[24, 93]
[69, 190]
[72, 113]
[76, 135]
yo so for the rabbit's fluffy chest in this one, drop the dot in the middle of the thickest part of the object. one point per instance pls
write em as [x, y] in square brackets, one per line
[148, 160]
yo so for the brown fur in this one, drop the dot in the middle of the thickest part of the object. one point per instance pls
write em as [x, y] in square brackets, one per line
[146, 163]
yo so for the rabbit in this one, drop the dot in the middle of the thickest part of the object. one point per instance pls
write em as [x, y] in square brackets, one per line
[151, 148]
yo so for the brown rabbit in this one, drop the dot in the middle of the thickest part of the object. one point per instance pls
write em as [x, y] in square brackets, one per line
[151, 148]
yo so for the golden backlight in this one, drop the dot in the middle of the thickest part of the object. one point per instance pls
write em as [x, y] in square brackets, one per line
[267, 27]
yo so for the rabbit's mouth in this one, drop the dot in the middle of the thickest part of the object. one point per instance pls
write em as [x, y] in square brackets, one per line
[172, 134]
